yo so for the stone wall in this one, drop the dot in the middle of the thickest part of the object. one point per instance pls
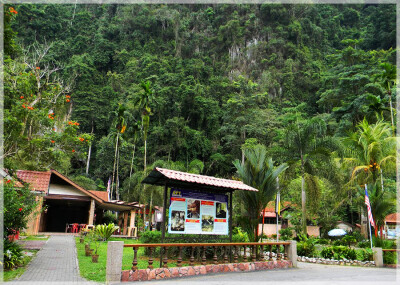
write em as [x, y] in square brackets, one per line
[176, 272]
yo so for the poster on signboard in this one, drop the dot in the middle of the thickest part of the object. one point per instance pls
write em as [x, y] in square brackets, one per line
[192, 212]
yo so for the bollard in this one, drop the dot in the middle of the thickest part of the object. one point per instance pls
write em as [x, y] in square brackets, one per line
[114, 261]
[291, 252]
[378, 256]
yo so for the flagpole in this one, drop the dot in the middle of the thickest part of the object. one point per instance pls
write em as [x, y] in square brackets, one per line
[278, 200]
[370, 235]
[368, 213]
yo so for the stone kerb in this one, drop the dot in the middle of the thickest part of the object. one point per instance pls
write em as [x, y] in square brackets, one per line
[176, 272]
[114, 261]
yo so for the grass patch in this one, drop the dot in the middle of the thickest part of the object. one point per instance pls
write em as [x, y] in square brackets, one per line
[37, 237]
[97, 271]
[17, 272]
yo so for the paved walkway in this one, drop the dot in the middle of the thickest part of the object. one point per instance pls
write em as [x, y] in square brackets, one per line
[304, 274]
[55, 263]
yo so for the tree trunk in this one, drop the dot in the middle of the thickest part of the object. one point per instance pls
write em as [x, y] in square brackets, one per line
[303, 205]
[391, 111]
[88, 159]
[145, 154]
[117, 179]
[89, 152]
[133, 156]
[115, 162]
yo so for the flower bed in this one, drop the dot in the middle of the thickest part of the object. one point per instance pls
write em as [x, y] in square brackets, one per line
[321, 260]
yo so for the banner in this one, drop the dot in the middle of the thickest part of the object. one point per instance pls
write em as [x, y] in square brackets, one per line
[193, 212]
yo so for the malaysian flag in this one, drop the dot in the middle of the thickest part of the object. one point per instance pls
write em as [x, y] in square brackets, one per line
[371, 219]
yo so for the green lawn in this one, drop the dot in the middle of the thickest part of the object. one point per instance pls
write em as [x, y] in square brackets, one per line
[97, 271]
[12, 274]
[36, 237]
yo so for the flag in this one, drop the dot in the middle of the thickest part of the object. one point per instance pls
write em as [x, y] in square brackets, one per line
[278, 203]
[371, 219]
[108, 188]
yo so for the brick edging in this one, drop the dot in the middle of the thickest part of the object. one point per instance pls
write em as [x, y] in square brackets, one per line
[176, 272]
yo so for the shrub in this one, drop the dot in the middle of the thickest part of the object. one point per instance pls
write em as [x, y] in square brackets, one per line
[322, 241]
[12, 254]
[105, 231]
[365, 254]
[389, 257]
[364, 244]
[305, 248]
[339, 252]
[286, 234]
[327, 252]
[19, 203]
[357, 235]
[109, 217]
[348, 240]
[239, 236]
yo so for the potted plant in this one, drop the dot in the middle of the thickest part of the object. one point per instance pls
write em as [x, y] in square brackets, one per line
[88, 250]
[95, 256]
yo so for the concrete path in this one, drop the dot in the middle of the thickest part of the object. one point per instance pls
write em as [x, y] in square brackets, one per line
[305, 273]
[55, 263]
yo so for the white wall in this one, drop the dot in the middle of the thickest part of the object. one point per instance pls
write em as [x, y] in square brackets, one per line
[64, 190]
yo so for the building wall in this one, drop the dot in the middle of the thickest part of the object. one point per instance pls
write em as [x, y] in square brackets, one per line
[345, 227]
[64, 190]
[32, 227]
[270, 229]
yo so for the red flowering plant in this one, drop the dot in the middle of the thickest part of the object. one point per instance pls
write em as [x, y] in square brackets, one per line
[19, 203]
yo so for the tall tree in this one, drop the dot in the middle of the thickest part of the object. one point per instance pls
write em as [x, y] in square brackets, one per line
[259, 172]
[307, 141]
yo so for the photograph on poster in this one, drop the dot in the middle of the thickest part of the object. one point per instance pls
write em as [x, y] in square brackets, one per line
[207, 223]
[178, 221]
[220, 210]
[193, 209]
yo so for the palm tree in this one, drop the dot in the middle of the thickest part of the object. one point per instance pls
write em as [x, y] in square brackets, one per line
[259, 172]
[135, 138]
[120, 126]
[307, 142]
[144, 101]
[368, 150]
[382, 204]
[388, 80]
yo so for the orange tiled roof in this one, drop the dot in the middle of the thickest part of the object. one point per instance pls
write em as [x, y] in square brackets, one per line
[103, 195]
[271, 206]
[393, 218]
[203, 179]
[38, 180]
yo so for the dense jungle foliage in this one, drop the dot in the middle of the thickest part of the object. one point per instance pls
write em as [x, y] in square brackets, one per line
[103, 92]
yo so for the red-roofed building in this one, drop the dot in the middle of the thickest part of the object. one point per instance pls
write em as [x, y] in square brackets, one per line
[62, 202]
[392, 226]
[268, 216]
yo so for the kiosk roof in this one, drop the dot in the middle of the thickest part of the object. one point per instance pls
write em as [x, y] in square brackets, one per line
[160, 176]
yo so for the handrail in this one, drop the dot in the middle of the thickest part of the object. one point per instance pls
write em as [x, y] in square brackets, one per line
[255, 252]
[204, 244]
[390, 249]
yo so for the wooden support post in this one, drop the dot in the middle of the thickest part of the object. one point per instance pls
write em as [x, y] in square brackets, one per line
[132, 224]
[163, 221]
[125, 217]
[91, 212]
